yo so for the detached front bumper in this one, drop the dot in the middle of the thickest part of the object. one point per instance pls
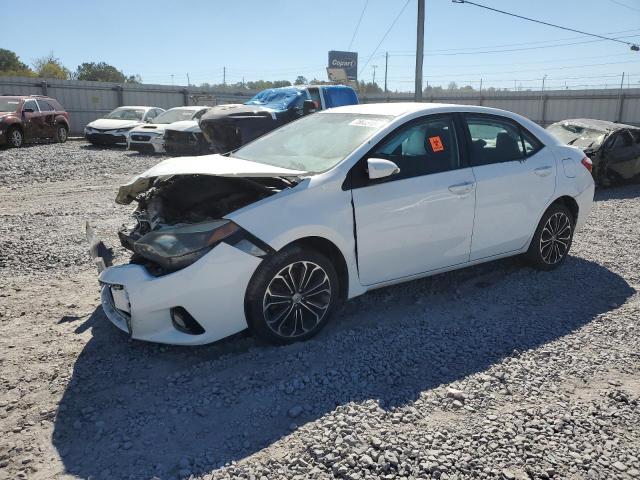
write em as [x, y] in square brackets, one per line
[211, 290]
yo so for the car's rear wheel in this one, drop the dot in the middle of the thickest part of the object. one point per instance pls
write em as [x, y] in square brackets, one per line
[15, 138]
[291, 296]
[551, 242]
[61, 134]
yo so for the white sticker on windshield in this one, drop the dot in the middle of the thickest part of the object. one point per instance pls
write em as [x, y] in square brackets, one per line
[367, 122]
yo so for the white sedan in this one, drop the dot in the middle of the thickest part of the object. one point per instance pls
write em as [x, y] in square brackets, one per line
[114, 128]
[273, 236]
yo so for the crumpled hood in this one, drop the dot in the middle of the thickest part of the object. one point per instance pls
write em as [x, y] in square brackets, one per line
[237, 111]
[185, 126]
[215, 165]
[112, 124]
[150, 127]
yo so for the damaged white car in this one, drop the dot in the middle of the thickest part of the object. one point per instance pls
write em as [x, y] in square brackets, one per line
[275, 235]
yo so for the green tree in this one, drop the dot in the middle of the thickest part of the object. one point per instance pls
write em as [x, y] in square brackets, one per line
[50, 66]
[137, 79]
[368, 87]
[11, 66]
[300, 80]
[99, 72]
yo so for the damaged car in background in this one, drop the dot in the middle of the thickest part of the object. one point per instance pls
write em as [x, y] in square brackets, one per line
[614, 148]
[114, 128]
[275, 235]
[149, 137]
[227, 127]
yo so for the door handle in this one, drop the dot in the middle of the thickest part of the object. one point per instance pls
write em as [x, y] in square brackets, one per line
[462, 188]
[543, 171]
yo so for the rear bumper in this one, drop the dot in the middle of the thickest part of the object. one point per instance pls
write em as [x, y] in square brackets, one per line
[585, 202]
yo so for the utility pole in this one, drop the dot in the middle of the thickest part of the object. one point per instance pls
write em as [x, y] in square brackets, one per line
[419, 52]
[188, 81]
[386, 66]
[374, 73]
[543, 79]
[481, 86]
[224, 75]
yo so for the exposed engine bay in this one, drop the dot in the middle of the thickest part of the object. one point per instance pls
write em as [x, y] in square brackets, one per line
[177, 207]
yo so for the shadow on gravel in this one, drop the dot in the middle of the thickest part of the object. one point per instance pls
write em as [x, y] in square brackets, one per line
[134, 410]
[621, 192]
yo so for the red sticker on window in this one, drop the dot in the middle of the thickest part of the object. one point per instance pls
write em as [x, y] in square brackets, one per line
[436, 144]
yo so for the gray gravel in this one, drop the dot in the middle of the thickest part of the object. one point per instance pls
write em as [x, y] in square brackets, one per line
[495, 371]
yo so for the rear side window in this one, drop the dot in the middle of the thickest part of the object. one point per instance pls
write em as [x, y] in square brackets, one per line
[497, 140]
[425, 147]
[45, 106]
[623, 139]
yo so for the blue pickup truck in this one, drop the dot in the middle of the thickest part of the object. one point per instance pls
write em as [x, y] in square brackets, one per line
[227, 127]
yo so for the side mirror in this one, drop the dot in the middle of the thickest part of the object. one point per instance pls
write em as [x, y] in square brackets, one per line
[27, 110]
[380, 168]
[309, 106]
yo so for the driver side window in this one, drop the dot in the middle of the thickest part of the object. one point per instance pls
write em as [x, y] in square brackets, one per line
[30, 104]
[424, 147]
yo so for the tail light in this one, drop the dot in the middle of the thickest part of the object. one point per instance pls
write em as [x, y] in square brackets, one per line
[588, 164]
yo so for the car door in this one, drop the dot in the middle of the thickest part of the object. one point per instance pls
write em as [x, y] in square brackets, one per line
[48, 116]
[31, 120]
[421, 218]
[622, 155]
[516, 178]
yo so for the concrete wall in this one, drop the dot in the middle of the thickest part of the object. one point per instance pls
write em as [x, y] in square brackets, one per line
[86, 101]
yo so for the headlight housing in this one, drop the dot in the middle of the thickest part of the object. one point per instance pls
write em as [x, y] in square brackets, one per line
[121, 130]
[176, 247]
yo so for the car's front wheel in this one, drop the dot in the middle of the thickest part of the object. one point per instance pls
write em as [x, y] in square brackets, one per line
[551, 242]
[15, 137]
[61, 134]
[291, 295]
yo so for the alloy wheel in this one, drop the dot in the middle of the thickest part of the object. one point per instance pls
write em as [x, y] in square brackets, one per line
[16, 138]
[555, 238]
[62, 134]
[297, 299]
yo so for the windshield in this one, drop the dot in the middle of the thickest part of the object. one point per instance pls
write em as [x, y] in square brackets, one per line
[9, 104]
[577, 135]
[126, 114]
[276, 98]
[175, 115]
[314, 143]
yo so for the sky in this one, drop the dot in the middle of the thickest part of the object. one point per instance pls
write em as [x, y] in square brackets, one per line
[164, 40]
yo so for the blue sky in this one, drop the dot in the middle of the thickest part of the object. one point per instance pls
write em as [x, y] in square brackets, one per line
[280, 39]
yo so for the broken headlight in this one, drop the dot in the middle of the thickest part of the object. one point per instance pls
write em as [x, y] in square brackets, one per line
[176, 247]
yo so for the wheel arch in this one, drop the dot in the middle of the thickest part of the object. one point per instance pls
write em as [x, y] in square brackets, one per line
[568, 202]
[333, 253]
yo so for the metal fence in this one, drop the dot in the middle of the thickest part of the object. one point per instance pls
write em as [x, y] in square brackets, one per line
[86, 101]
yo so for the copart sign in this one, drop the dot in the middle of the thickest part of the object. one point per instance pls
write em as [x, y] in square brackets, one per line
[346, 60]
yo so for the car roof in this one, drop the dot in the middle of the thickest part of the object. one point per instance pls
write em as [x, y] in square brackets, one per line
[195, 108]
[595, 124]
[135, 106]
[403, 108]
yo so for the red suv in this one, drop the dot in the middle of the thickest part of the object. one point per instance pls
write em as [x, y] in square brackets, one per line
[25, 118]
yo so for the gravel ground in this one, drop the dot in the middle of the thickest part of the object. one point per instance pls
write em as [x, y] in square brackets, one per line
[495, 371]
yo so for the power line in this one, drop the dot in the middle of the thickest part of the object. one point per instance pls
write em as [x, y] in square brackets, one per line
[632, 45]
[625, 5]
[507, 50]
[358, 25]
[385, 35]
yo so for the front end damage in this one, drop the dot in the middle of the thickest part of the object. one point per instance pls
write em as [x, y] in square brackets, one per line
[228, 127]
[189, 265]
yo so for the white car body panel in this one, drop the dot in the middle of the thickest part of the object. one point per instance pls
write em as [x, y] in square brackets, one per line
[417, 224]
[156, 130]
[109, 126]
[456, 230]
[185, 126]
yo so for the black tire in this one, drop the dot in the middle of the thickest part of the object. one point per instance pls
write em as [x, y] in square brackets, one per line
[280, 315]
[61, 133]
[15, 137]
[552, 241]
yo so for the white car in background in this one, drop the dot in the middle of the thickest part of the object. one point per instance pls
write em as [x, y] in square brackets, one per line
[149, 137]
[114, 127]
[276, 234]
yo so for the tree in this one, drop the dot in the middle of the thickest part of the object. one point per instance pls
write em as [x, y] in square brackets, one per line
[452, 86]
[99, 72]
[50, 66]
[137, 79]
[300, 80]
[368, 87]
[11, 66]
